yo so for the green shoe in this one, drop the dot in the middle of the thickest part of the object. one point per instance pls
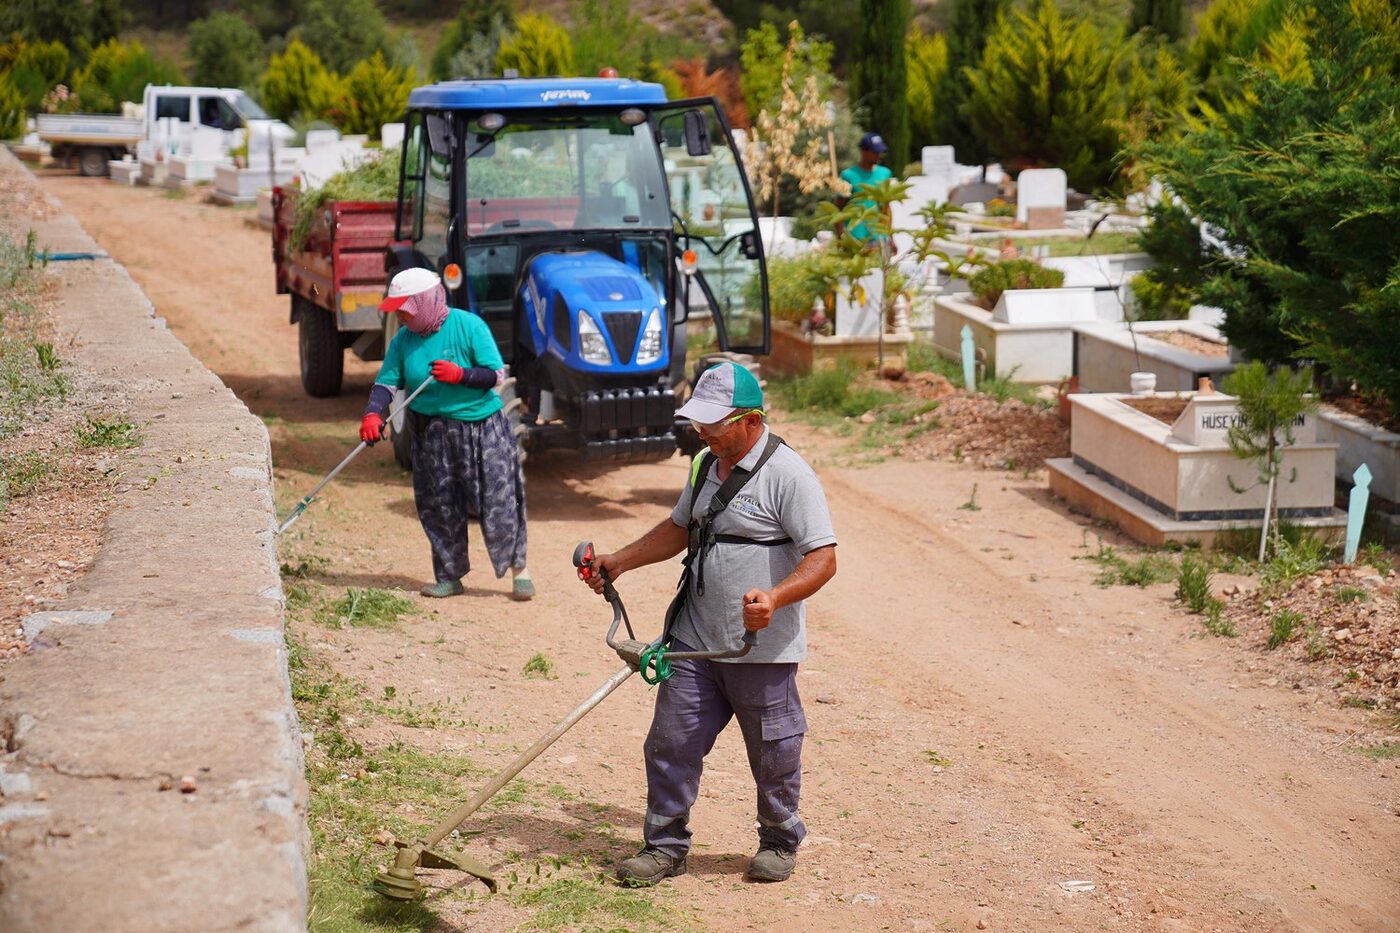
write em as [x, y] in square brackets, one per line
[443, 589]
[522, 589]
[772, 864]
[648, 867]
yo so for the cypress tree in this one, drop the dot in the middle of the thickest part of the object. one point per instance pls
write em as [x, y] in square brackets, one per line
[967, 37]
[1164, 18]
[880, 75]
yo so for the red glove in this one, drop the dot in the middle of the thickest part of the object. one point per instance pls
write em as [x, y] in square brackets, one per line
[371, 428]
[446, 371]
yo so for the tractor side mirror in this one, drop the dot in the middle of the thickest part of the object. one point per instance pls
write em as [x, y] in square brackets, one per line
[697, 133]
[749, 244]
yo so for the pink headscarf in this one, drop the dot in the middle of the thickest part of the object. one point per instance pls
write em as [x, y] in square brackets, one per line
[427, 309]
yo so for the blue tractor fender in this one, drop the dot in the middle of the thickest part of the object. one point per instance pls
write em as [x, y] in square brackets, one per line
[622, 305]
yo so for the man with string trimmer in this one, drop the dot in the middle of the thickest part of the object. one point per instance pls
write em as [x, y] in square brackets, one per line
[754, 526]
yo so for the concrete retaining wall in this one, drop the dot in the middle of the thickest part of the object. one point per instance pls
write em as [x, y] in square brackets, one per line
[166, 659]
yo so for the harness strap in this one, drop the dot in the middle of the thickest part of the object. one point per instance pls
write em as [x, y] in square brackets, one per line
[740, 539]
[701, 537]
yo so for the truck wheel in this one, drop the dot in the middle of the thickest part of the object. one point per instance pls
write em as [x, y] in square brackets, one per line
[322, 359]
[402, 436]
[512, 406]
[92, 162]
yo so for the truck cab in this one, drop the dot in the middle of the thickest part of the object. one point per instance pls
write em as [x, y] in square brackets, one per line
[586, 220]
[228, 110]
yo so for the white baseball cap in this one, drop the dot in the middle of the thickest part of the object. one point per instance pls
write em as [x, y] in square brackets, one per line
[720, 391]
[406, 284]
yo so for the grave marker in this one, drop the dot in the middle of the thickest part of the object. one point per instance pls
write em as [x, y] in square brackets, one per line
[1356, 510]
[1040, 198]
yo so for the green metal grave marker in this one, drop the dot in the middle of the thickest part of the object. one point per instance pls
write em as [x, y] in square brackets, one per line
[969, 360]
[1356, 510]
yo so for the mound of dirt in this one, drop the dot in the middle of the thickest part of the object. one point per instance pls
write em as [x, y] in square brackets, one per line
[976, 428]
[1347, 621]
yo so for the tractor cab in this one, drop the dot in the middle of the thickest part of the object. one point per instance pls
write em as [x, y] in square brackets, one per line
[585, 220]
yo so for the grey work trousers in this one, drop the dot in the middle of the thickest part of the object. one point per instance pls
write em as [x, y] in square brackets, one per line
[692, 707]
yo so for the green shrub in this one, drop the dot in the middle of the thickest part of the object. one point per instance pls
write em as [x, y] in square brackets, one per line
[1215, 622]
[1193, 583]
[794, 284]
[990, 281]
[12, 110]
[21, 473]
[538, 666]
[829, 391]
[1116, 570]
[1282, 626]
[37, 68]
[102, 431]
[1293, 560]
[1157, 301]
[117, 72]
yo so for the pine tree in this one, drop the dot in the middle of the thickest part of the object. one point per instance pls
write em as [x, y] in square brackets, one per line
[375, 94]
[1047, 93]
[540, 47]
[297, 83]
[880, 75]
[1299, 180]
[967, 36]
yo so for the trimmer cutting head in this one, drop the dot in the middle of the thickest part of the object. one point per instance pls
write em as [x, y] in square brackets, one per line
[398, 882]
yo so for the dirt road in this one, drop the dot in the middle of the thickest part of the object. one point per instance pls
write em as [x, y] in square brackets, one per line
[986, 724]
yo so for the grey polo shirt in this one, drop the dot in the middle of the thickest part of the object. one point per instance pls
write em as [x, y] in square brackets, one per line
[782, 500]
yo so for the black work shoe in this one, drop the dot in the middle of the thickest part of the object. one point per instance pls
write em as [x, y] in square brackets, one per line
[648, 867]
[772, 864]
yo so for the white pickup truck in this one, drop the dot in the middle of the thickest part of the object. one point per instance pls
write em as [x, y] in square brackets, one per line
[94, 138]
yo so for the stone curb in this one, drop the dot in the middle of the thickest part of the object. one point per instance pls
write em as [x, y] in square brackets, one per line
[165, 661]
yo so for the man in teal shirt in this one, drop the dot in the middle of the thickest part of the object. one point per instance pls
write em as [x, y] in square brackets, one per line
[867, 173]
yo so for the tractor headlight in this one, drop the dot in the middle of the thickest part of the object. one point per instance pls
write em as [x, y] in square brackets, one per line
[591, 345]
[649, 351]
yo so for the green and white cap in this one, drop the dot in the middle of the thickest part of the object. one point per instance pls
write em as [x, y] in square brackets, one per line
[720, 391]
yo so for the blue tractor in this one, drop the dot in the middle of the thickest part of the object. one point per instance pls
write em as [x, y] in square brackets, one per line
[586, 220]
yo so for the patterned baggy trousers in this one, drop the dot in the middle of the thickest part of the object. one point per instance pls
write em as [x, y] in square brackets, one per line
[463, 469]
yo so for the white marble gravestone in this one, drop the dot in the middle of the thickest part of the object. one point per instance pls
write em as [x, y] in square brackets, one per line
[1040, 198]
[856, 317]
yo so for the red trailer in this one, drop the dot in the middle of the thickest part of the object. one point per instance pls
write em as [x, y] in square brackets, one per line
[336, 280]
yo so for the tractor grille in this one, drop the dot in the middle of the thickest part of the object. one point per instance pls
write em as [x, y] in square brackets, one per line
[623, 327]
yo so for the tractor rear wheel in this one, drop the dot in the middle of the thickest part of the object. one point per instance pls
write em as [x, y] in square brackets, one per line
[513, 405]
[318, 343]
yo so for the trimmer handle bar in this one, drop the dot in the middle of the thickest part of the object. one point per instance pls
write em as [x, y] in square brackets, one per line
[630, 648]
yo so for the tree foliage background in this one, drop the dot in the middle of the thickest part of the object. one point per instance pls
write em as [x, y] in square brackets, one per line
[1300, 178]
[880, 76]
